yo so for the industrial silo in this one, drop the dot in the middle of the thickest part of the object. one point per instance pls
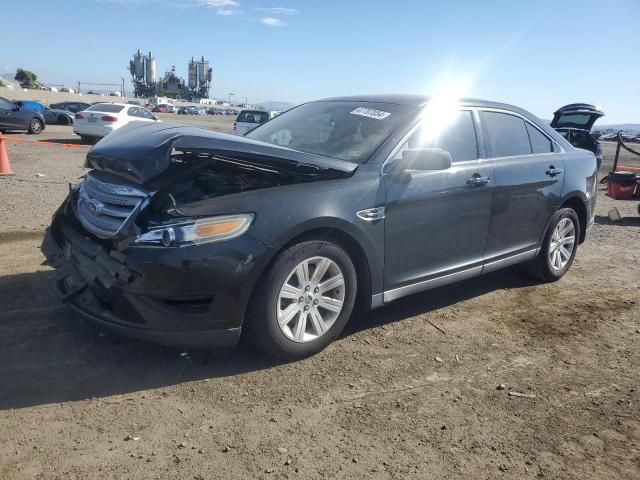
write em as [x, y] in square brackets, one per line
[203, 66]
[138, 63]
[193, 74]
[151, 69]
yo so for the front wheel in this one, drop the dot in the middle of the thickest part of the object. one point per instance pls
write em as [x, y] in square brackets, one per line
[303, 302]
[35, 126]
[558, 247]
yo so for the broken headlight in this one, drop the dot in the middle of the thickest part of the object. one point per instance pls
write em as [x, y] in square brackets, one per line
[204, 230]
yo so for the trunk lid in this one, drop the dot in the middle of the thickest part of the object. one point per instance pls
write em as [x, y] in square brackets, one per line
[140, 151]
[581, 116]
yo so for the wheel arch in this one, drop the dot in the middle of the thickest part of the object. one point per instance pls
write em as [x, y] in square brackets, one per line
[342, 238]
[577, 204]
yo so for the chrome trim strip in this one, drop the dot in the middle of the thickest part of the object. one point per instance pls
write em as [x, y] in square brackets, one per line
[510, 260]
[391, 295]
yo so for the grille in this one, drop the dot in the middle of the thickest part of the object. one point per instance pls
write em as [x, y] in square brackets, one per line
[104, 205]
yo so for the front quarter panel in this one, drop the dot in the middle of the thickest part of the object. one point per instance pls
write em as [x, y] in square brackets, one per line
[286, 212]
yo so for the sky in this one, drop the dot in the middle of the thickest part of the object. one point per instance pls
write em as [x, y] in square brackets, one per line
[538, 55]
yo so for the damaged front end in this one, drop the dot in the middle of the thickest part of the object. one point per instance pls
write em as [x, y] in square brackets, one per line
[127, 255]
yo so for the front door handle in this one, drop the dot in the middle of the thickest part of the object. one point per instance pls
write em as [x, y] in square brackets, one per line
[478, 181]
[553, 171]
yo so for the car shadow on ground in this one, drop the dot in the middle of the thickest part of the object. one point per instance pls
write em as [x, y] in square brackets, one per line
[625, 222]
[48, 355]
[67, 141]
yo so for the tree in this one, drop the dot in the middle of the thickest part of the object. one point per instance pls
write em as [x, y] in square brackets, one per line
[26, 78]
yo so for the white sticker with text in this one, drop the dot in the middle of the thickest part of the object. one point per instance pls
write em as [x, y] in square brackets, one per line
[370, 113]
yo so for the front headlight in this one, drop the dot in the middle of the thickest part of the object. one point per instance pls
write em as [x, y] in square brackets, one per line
[204, 230]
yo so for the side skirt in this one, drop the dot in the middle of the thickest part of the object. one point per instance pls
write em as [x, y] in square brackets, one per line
[381, 299]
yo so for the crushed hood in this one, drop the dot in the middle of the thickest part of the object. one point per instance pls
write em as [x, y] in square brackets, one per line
[576, 115]
[140, 151]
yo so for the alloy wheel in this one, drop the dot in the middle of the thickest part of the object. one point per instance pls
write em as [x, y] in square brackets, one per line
[36, 126]
[562, 244]
[310, 299]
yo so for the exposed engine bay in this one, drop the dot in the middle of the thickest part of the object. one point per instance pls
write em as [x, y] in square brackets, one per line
[206, 177]
[197, 177]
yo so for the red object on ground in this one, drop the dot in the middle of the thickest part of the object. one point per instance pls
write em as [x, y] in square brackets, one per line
[622, 185]
[5, 168]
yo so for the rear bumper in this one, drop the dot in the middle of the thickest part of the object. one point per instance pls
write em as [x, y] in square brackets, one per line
[92, 130]
[154, 294]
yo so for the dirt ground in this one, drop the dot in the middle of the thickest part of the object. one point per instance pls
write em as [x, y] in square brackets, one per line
[409, 391]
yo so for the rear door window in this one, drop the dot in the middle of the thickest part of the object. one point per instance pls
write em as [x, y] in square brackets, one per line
[5, 104]
[506, 135]
[140, 113]
[540, 143]
[105, 108]
[458, 138]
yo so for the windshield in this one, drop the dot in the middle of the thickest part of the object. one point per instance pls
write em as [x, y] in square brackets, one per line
[345, 130]
[576, 119]
[252, 117]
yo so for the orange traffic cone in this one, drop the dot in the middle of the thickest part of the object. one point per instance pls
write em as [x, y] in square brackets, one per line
[5, 168]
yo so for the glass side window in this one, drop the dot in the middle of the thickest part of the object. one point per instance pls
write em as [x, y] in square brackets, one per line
[506, 135]
[458, 138]
[5, 104]
[540, 143]
[140, 113]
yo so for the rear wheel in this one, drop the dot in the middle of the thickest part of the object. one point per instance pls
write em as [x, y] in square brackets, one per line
[303, 302]
[35, 126]
[559, 247]
[62, 120]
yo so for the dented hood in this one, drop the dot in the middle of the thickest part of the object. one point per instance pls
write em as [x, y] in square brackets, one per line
[140, 151]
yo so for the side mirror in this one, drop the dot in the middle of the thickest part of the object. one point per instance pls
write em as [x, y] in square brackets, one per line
[17, 108]
[422, 159]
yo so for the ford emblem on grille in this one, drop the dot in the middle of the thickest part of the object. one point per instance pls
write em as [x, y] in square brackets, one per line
[104, 206]
[95, 207]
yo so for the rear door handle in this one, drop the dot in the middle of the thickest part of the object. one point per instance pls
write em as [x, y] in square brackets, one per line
[553, 171]
[477, 181]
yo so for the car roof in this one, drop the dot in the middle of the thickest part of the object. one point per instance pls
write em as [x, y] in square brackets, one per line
[417, 101]
[113, 103]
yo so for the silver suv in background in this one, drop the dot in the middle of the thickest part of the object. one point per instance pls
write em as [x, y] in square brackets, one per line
[248, 120]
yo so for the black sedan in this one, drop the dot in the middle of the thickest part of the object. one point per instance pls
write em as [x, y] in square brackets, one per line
[58, 117]
[15, 117]
[189, 237]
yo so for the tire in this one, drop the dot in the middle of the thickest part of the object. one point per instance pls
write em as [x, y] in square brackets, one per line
[62, 120]
[546, 266]
[35, 126]
[293, 341]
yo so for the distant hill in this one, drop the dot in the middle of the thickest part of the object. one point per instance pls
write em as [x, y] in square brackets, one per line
[626, 127]
[272, 105]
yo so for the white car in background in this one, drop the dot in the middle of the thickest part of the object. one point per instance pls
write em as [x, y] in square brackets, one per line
[101, 119]
[248, 120]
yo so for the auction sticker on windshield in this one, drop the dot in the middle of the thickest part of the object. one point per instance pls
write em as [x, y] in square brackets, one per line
[370, 113]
